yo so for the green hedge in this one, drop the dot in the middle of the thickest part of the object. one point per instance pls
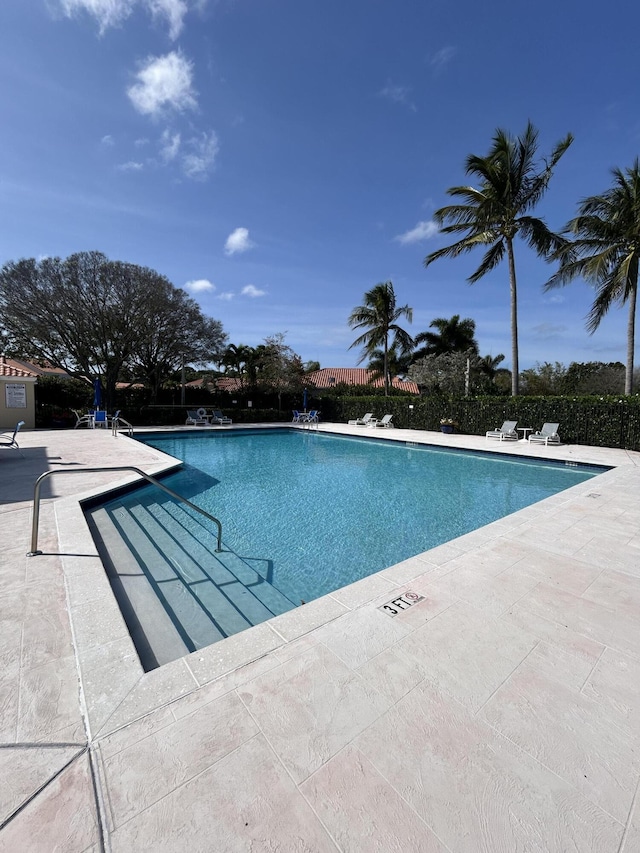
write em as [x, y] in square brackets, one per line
[596, 421]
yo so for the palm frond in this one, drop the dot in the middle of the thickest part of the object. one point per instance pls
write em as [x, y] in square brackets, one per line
[490, 260]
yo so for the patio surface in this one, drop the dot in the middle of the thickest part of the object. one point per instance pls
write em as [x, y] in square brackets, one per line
[500, 713]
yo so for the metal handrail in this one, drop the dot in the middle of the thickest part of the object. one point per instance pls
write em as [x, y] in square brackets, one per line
[34, 552]
[115, 424]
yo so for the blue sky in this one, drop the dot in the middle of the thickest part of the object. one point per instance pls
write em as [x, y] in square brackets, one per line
[278, 158]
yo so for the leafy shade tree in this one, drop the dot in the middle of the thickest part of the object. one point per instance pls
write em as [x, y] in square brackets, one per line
[544, 379]
[281, 368]
[445, 373]
[85, 314]
[606, 253]
[454, 335]
[172, 331]
[311, 366]
[379, 316]
[594, 377]
[510, 184]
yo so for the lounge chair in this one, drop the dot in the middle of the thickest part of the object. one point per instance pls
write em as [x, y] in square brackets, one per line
[198, 418]
[218, 418]
[361, 421]
[10, 440]
[384, 422]
[507, 432]
[547, 435]
[83, 420]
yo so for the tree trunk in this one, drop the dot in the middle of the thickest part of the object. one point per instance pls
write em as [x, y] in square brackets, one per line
[386, 365]
[631, 334]
[515, 370]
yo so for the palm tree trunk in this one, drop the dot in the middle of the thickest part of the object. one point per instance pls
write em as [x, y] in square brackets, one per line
[386, 365]
[515, 370]
[631, 334]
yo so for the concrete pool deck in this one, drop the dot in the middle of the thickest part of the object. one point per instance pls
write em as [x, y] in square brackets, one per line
[501, 712]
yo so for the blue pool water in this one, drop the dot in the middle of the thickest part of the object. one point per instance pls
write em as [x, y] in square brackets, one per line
[310, 512]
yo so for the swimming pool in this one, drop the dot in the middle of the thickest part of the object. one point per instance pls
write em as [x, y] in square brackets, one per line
[322, 511]
[303, 514]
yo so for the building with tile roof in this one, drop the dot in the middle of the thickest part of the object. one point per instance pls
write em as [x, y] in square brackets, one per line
[322, 380]
[17, 395]
[329, 377]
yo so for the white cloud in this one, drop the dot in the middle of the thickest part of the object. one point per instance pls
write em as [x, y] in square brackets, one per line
[442, 57]
[200, 161]
[238, 241]
[169, 145]
[398, 94]
[423, 231]
[174, 12]
[140, 143]
[112, 13]
[252, 291]
[164, 82]
[200, 285]
[108, 13]
[227, 296]
[107, 140]
[130, 166]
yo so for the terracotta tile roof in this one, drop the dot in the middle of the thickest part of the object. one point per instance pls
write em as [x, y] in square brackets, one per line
[229, 383]
[30, 368]
[327, 377]
[8, 367]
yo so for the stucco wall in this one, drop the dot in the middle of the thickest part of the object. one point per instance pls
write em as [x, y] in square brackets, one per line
[17, 390]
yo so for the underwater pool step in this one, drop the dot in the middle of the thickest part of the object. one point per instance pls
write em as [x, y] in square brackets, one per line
[176, 592]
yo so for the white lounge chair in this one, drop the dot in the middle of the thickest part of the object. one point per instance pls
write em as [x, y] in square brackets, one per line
[83, 420]
[507, 432]
[198, 418]
[384, 422]
[218, 418]
[361, 421]
[547, 435]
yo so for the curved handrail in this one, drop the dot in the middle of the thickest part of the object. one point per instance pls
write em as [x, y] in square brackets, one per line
[34, 552]
[115, 425]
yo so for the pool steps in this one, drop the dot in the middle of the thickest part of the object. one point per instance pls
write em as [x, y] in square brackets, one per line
[177, 594]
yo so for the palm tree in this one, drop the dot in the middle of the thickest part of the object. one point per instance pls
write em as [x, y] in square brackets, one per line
[454, 335]
[510, 185]
[398, 361]
[607, 252]
[379, 316]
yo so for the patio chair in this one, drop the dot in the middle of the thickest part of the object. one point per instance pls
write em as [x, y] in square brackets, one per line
[311, 417]
[296, 417]
[101, 419]
[507, 432]
[384, 422]
[218, 418]
[547, 435]
[10, 441]
[83, 420]
[363, 421]
[196, 418]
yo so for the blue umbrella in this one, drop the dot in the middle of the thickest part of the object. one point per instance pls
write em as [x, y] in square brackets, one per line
[304, 400]
[97, 394]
